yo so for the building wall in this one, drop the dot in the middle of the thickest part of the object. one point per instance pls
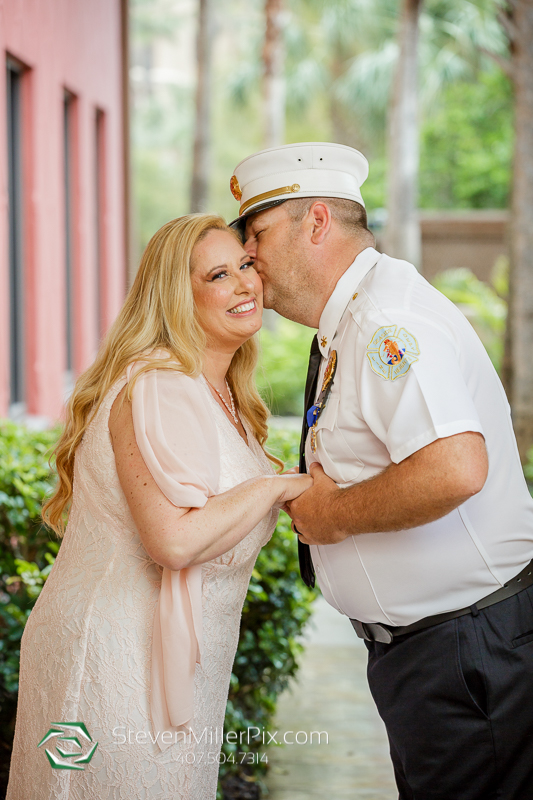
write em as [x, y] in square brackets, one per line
[475, 239]
[471, 238]
[75, 46]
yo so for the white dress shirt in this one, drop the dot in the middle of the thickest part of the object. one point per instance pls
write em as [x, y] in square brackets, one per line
[410, 370]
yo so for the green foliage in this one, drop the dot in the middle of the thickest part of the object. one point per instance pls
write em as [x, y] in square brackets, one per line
[484, 305]
[25, 479]
[283, 366]
[467, 145]
[277, 606]
[25, 547]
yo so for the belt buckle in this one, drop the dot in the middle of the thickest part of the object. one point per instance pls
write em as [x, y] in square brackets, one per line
[372, 631]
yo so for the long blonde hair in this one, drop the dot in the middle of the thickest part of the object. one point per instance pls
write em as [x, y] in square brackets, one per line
[159, 312]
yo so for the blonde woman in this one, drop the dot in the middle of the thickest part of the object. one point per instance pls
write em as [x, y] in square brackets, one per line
[170, 495]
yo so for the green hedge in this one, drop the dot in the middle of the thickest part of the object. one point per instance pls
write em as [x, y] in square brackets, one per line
[27, 549]
[277, 605]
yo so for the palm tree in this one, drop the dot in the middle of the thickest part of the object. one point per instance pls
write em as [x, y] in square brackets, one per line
[202, 127]
[274, 74]
[403, 238]
[517, 19]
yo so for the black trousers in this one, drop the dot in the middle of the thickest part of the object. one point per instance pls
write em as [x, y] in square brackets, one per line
[457, 702]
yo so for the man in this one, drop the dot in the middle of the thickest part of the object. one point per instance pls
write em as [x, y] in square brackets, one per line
[419, 523]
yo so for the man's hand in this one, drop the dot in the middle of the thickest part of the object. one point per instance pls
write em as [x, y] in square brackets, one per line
[426, 486]
[314, 510]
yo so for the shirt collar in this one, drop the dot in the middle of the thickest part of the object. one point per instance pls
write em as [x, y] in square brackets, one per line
[341, 296]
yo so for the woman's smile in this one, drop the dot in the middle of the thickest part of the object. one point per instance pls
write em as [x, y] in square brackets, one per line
[244, 309]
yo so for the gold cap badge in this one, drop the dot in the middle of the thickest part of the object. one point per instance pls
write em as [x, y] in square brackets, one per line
[235, 188]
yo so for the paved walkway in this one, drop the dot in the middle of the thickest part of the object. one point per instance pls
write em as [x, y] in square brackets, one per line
[331, 694]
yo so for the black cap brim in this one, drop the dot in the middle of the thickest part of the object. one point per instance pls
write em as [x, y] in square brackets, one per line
[239, 224]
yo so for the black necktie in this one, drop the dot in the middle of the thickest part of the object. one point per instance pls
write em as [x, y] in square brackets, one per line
[304, 554]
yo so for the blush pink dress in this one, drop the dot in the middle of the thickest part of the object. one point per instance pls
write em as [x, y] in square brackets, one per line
[88, 652]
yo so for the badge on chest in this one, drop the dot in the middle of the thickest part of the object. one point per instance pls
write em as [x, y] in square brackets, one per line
[316, 410]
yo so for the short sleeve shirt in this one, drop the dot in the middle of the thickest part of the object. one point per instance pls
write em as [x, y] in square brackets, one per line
[410, 370]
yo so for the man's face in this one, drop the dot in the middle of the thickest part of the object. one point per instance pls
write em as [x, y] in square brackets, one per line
[273, 241]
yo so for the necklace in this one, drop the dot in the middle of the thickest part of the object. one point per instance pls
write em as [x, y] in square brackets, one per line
[231, 408]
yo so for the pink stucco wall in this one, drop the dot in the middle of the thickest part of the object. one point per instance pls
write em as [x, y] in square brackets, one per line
[74, 45]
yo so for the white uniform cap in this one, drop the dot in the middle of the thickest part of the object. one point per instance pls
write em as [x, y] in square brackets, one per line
[308, 169]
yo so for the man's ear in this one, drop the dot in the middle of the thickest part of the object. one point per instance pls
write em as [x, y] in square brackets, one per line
[319, 219]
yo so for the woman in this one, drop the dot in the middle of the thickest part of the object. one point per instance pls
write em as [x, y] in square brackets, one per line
[172, 496]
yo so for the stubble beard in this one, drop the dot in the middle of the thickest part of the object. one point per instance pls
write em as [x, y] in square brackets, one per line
[287, 301]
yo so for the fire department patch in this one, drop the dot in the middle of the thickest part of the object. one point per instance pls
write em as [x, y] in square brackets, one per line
[391, 352]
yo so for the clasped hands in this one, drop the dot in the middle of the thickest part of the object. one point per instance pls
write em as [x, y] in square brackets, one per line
[313, 512]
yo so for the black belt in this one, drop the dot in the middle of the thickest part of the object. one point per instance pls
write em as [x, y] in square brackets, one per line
[376, 632]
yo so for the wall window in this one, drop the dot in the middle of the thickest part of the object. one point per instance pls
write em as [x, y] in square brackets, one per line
[17, 359]
[101, 210]
[69, 102]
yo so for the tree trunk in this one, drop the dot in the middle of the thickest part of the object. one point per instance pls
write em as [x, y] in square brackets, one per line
[342, 130]
[402, 236]
[202, 130]
[273, 75]
[520, 21]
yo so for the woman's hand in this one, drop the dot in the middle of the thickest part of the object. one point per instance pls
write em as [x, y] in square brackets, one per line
[291, 485]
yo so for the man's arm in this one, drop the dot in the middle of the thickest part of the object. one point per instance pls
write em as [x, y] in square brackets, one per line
[422, 488]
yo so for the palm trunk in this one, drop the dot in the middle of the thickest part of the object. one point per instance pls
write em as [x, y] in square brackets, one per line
[202, 131]
[273, 75]
[341, 133]
[402, 237]
[520, 24]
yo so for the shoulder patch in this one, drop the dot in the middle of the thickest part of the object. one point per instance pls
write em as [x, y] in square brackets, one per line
[391, 352]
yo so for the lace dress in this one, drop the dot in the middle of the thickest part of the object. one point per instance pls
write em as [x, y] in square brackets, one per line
[86, 648]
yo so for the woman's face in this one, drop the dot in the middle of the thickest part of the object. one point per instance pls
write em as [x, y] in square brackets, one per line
[227, 290]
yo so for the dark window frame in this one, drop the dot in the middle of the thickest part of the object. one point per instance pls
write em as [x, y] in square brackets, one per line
[69, 101]
[100, 123]
[17, 270]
